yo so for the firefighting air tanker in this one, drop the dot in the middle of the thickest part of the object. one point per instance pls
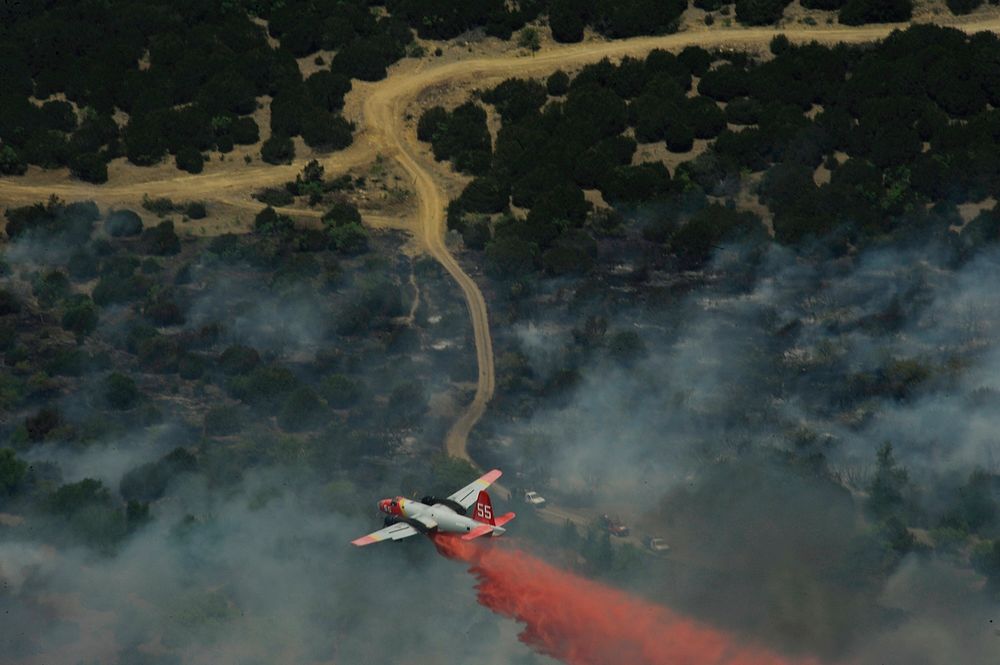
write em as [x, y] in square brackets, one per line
[406, 517]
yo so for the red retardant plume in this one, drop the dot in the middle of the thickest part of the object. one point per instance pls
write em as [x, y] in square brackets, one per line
[582, 622]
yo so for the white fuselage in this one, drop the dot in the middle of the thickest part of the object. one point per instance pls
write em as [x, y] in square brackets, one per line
[448, 521]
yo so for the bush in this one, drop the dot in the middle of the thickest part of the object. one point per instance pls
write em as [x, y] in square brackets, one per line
[557, 84]
[565, 21]
[9, 303]
[275, 196]
[341, 213]
[430, 122]
[244, 131]
[325, 131]
[269, 223]
[161, 240]
[263, 385]
[963, 6]
[41, 424]
[80, 317]
[761, 12]
[859, 12]
[278, 150]
[476, 234]
[120, 392]
[10, 162]
[89, 167]
[351, 238]
[510, 257]
[239, 359]
[696, 240]
[485, 195]
[223, 421]
[149, 482]
[189, 159]
[82, 265]
[195, 210]
[302, 410]
[341, 391]
[123, 223]
[12, 472]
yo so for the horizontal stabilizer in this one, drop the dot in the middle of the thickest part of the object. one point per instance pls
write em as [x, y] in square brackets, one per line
[503, 519]
[478, 531]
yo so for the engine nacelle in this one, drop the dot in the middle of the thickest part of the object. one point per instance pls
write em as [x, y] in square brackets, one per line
[454, 505]
[390, 520]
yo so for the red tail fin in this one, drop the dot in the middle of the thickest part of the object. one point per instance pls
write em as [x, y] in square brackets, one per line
[484, 509]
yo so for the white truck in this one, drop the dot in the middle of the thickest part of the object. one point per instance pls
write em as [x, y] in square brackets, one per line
[534, 498]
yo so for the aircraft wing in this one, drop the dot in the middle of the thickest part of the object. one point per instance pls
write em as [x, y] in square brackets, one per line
[396, 531]
[467, 495]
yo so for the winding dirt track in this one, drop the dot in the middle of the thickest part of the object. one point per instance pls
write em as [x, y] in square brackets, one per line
[384, 131]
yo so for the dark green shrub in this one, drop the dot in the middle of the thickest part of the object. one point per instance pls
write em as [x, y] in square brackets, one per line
[301, 410]
[239, 359]
[341, 391]
[278, 150]
[195, 210]
[161, 240]
[120, 391]
[123, 223]
[557, 84]
[80, 316]
[223, 421]
[89, 167]
[189, 159]
[275, 196]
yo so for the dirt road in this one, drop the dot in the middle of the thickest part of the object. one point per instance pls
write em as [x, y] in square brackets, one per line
[383, 110]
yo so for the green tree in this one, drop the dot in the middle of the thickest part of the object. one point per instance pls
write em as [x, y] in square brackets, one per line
[189, 159]
[565, 21]
[974, 506]
[557, 84]
[222, 421]
[858, 12]
[278, 150]
[341, 391]
[12, 472]
[301, 410]
[123, 223]
[120, 391]
[80, 317]
[348, 239]
[886, 490]
[161, 240]
[760, 12]
[964, 6]
[89, 167]
[528, 38]
[10, 162]
[510, 257]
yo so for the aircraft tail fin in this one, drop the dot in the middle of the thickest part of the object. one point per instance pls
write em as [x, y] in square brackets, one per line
[484, 509]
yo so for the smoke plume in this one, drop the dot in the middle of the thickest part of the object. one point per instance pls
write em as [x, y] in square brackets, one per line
[582, 622]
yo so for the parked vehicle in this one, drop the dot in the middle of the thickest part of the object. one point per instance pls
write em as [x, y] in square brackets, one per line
[534, 498]
[614, 526]
[657, 544]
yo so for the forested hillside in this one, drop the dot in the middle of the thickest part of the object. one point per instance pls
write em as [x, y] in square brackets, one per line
[163, 79]
[847, 146]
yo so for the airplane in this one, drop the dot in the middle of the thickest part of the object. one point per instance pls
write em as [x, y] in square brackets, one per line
[406, 517]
